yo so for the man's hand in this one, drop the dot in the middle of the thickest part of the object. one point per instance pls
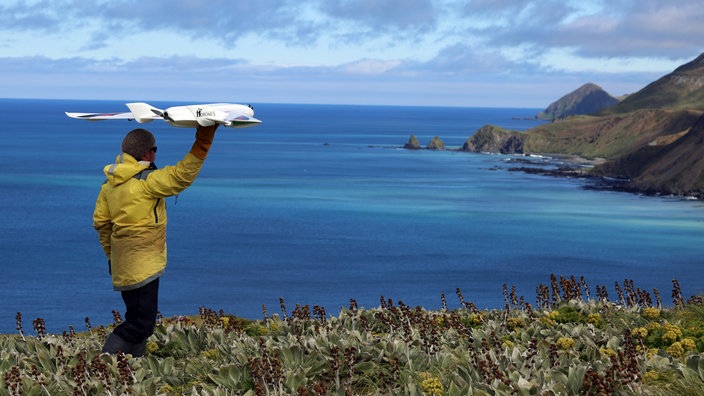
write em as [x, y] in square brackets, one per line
[204, 138]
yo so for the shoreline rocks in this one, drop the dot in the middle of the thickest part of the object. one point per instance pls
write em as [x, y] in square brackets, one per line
[505, 142]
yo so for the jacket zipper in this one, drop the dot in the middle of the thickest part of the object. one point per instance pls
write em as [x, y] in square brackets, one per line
[156, 216]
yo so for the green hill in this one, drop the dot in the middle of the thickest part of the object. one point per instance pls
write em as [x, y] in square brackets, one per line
[587, 99]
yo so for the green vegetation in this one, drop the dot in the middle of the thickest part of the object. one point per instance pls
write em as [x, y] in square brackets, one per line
[567, 343]
[609, 137]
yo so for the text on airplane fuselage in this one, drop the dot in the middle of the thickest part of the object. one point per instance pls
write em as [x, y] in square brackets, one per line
[206, 113]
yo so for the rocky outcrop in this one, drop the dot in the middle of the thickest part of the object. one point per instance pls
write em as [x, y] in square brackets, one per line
[587, 99]
[436, 144]
[493, 139]
[412, 144]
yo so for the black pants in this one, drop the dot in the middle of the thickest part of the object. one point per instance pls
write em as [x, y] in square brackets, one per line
[140, 315]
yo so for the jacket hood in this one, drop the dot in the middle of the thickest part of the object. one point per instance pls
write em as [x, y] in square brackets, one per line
[124, 168]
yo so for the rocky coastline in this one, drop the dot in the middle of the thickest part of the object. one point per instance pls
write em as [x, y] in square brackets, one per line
[651, 141]
[550, 164]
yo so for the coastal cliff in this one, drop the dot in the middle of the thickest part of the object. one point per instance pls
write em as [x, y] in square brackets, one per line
[653, 139]
[493, 139]
[675, 167]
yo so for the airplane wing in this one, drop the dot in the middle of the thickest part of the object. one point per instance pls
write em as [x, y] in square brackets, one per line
[141, 112]
[226, 114]
[101, 116]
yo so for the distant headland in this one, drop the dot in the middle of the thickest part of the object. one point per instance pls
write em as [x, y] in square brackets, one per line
[651, 141]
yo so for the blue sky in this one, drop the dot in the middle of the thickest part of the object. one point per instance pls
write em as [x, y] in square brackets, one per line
[493, 53]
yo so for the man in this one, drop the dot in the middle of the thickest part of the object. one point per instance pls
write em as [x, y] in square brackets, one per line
[130, 217]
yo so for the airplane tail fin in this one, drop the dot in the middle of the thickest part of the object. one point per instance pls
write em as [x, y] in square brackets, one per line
[144, 112]
[238, 120]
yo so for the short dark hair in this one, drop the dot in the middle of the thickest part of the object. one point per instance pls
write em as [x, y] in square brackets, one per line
[138, 142]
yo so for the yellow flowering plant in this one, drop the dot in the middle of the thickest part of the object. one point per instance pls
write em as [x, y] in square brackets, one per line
[651, 313]
[565, 343]
[431, 385]
[676, 350]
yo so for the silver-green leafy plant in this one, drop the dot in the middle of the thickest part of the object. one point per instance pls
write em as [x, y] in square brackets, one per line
[568, 343]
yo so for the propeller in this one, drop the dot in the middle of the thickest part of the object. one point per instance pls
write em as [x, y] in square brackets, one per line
[162, 114]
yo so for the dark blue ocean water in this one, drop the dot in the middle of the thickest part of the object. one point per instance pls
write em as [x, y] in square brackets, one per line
[319, 205]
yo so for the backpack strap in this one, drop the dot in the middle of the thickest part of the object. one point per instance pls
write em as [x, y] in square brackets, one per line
[142, 175]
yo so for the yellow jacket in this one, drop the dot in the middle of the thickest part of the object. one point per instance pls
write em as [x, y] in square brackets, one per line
[130, 216]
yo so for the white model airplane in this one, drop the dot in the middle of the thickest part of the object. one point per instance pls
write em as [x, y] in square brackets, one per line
[190, 116]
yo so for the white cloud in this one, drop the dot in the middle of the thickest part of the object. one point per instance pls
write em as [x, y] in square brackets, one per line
[569, 61]
[370, 66]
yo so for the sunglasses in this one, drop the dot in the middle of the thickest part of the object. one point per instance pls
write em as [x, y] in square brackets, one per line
[153, 149]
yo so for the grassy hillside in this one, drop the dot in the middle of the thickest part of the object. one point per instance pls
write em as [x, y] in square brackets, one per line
[611, 136]
[681, 89]
[569, 342]
[673, 166]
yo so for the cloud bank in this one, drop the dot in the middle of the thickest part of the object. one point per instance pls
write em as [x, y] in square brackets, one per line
[462, 53]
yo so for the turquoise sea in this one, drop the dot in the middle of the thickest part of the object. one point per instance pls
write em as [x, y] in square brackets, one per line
[319, 205]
